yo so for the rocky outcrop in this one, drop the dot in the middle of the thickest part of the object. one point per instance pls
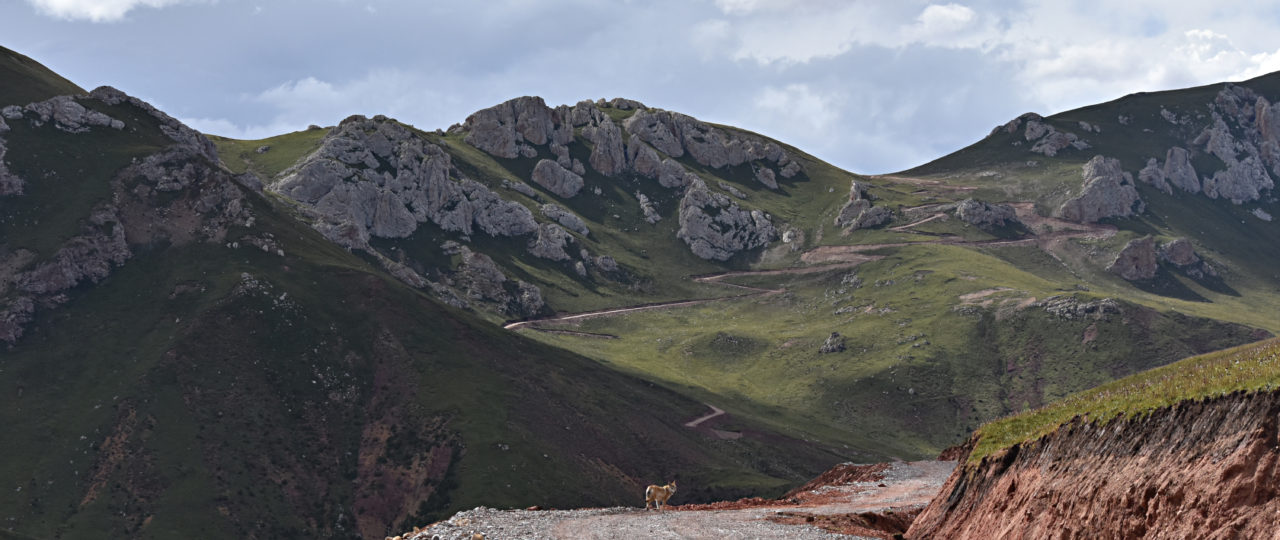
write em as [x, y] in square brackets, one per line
[1137, 260]
[480, 280]
[499, 130]
[649, 208]
[833, 344]
[556, 179]
[607, 155]
[671, 174]
[171, 127]
[1107, 192]
[550, 242]
[1043, 137]
[1181, 254]
[716, 228]
[1152, 174]
[765, 176]
[10, 184]
[1199, 469]
[67, 115]
[986, 215]
[175, 196]
[858, 212]
[1178, 170]
[1246, 151]
[565, 218]
[373, 177]
[676, 134]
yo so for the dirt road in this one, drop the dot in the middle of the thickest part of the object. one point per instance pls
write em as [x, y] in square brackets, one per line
[905, 486]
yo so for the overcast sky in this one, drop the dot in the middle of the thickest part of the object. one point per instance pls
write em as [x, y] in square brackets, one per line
[869, 86]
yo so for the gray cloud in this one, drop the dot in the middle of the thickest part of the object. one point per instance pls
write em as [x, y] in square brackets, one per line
[871, 87]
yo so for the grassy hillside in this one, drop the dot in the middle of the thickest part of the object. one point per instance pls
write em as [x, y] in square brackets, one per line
[222, 390]
[23, 80]
[1246, 368]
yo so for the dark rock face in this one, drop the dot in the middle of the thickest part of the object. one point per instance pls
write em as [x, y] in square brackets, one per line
[1181, 254]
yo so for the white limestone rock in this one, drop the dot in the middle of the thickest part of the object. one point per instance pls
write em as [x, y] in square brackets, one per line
[986, 215]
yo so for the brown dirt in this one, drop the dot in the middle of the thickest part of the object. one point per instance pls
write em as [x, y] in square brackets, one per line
[1200, 469]
[844, 473]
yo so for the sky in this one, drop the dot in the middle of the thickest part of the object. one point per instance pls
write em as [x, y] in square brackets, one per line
[871, 87]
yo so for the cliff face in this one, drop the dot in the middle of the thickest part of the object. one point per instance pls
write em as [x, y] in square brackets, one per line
[1201, 469]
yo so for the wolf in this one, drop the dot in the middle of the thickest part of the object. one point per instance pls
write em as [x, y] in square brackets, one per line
[658, 495]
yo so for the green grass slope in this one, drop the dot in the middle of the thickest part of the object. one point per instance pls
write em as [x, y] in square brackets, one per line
[1245, 368]
[23, 80]
[203, 389]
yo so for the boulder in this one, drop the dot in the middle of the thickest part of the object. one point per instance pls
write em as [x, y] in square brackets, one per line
[1181, 254]
[624, 104]
[556, 179]
[732, 190]
[565, 218]
[1108, 191]
[765, 176]
[715, 227]
[642, 158]
[649, 208]
[550, 242]
[1137, 260]
[985, 215]
[833, 344]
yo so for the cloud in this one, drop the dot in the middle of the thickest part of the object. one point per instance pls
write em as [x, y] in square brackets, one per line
[96, 10]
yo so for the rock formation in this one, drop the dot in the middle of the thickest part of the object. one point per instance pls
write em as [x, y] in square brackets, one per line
[716, 228]
[675, 134]
[550, 242]
[858, 212]
[1044, 138]
[649, 208]
[556, 179]
[480, 280]
[1108, 191]
[177, 196]
[985, 215]
[1181, 254]
[373, 177]
[1137, 260]
[66, 114]
[833, 344]
[565, 218]
[1248, 152]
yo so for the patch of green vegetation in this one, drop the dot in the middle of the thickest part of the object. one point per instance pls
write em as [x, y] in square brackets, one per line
[67, 174]
[282, 151]
[23, 80]
[1245, 368]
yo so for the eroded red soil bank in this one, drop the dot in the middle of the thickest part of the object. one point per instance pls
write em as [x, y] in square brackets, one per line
[1201, 469]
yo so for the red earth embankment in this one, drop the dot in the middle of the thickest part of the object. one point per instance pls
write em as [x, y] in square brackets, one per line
[1200, 469]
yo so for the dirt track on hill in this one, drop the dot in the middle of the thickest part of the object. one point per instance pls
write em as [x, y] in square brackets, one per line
[828, 258]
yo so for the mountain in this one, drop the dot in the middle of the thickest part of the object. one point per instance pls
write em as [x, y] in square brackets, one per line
[350, 329]
[184, 355]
